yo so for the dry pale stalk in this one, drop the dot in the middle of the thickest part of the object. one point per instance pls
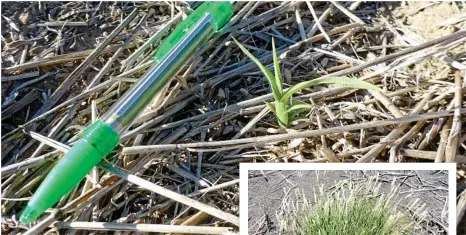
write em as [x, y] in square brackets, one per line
[455, 133]
[148, 228]
[256, 141]
[461, 207]
[173, 195]
[440, 156]
[394, 134]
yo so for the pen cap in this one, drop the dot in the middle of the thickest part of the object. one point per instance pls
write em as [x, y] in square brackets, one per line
[95, 143]
[220, 12]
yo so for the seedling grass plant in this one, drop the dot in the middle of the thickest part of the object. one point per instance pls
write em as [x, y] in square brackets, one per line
[352, 209]
[286, 109]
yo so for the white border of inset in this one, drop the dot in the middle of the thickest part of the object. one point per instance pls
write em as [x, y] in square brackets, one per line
[245, 167]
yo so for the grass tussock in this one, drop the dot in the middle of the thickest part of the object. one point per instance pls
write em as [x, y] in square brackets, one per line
[352, 209]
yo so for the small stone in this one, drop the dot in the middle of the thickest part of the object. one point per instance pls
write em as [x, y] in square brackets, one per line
[288, 76]
[221, 93]
[25, 18]
[324, 62]
[228, 129]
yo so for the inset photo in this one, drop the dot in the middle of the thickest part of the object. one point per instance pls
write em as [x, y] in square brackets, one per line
[347, 199]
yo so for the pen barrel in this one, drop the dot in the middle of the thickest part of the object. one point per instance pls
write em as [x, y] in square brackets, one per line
[125, 110]
[99, 139]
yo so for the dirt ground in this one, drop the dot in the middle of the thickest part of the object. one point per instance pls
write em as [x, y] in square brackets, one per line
[428, 19]
[267, 189]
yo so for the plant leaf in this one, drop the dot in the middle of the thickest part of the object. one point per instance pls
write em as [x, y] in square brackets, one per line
[281, 113]
[340, 81]
[298, 106]
[276, 94]
[272, 107]
[276, 67]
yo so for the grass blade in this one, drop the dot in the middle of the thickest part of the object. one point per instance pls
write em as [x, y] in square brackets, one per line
[268, 74]
[340, 81]
[272, 107]
[281, 113]
[276, 66]
[300, 106]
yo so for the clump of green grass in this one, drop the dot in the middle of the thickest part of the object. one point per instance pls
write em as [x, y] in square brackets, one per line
[352, 209]
[286, 109]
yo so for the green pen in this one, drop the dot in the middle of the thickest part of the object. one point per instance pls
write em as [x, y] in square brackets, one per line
[101, 137]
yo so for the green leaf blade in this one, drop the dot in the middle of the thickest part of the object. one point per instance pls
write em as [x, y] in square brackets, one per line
[281, 113]
[276, 66]
[270, 77]
[299, 107]
[340, 81]
[272, 107]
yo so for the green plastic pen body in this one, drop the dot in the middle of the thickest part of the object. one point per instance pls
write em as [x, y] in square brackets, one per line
[101, 137]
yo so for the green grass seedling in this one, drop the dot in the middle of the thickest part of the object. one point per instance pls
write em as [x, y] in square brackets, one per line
[286, 109]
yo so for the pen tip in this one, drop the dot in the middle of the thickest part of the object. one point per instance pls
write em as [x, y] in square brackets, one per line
[28, 215]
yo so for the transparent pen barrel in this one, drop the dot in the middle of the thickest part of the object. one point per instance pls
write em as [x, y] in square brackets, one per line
[126, 109]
